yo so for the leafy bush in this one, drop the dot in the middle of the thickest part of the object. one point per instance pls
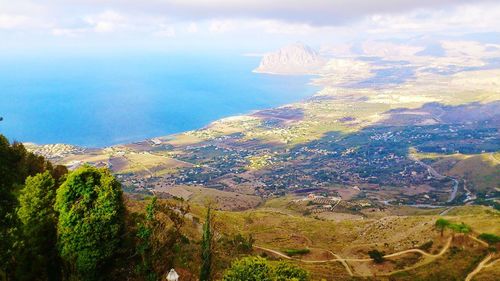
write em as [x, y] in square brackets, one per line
[285, 271]
[377, 256]
[296, 252]
[460, 228]
[259, 269]
[426, 246]
[249, 269]
[489, 238]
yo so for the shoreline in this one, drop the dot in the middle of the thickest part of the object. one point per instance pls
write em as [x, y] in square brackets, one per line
[172, 135]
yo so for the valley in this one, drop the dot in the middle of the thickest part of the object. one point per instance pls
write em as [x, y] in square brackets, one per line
[413, 152]
[357, 167]
[217, 140]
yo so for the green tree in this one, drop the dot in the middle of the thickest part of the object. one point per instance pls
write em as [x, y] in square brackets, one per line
[7, 205]
[206, 248]
[16, 164]
[59, 173]
[38, 255]
[159, 237]
[91, 221]
[441, 225]
[144, 245]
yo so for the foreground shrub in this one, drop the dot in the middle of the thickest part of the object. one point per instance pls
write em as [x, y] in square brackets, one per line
[489, 238]
[376, 256]
[259, 269]
[295, 252]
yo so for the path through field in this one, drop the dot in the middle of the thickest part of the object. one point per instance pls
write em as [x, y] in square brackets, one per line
[345, 261]
[484, 263]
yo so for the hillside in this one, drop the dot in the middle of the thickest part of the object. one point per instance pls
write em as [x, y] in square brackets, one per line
[341, 139]
[323, 182]
[340, 248]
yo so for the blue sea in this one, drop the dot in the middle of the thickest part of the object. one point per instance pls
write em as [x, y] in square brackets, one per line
[98, 101]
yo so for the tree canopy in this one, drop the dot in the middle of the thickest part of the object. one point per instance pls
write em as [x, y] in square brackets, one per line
[441, 225]
[90, 226]
[16, 164]
[38, 226]
[158, 237]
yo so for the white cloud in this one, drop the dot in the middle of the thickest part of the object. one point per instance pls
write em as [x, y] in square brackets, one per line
[464, 18]
[192, 28]
[222, 26]
[12, 21]
[280, 27]
[261, 22]
[314, 12]
[107, 21]
[21, 21]
[165, 31]
[68, 32]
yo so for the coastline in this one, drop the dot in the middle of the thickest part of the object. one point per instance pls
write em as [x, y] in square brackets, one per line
[123, 103]
[206, 126]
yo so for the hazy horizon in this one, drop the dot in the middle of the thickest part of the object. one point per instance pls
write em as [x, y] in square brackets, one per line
[91, 27]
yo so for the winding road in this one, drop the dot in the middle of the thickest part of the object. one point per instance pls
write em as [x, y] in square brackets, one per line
[438, 176]
[484, 263]
[345, 260]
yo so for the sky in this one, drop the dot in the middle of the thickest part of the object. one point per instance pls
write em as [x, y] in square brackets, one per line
[241, 26]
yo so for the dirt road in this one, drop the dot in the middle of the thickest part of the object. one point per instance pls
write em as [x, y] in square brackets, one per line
[484, 263]
[345, 260]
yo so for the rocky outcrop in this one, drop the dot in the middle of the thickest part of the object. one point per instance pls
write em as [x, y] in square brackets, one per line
[292, 59]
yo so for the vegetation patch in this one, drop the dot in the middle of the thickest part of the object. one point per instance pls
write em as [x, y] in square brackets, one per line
[377, 256]
[489, 238]
[296, 252]
[426, 246]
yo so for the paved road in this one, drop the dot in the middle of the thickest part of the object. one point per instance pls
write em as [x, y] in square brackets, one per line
[469, 195]
[446, 211]
[454, 190]
[438, 176]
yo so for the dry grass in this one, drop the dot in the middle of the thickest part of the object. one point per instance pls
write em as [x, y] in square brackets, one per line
[151, 163]
[222, 200]
[481, 219]
[353, 239]
[482, 171]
